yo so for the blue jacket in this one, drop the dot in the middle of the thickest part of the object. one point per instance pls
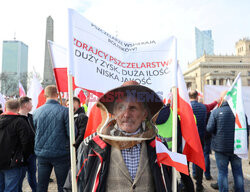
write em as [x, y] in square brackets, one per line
[200, 112]
[221, 124]
[51, 122]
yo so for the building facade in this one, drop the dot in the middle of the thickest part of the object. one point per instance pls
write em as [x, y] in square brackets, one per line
[14, 67]
[204, 43]
[218, 69]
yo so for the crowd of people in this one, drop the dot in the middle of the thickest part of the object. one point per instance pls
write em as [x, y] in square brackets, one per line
[121, 155]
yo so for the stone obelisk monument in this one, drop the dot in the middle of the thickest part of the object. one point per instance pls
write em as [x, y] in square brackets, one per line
[48, 75]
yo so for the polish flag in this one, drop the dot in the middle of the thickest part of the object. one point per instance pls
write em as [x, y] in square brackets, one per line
[94, 114]
[21, 90]
[200, 94]
[58, 56]
[80, 94]
[94, 120]
[166, 157]
[36, 93]
[82, 97]
[192, 147]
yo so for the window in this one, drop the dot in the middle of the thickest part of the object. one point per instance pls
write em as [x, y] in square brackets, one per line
[248, 73]
[221, 82]
[248, 82]
[189, 84]
[214, 82]
[207, 81]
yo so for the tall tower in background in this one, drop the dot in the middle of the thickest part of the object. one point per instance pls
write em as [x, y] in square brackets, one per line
[14, 67]
[203, 42]
[48, 75]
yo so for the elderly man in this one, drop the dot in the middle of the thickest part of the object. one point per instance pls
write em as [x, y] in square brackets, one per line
[122, 156]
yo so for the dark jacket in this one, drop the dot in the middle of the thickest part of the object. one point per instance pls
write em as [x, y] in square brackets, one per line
[80, 122]
[31, 131]
[51, 122]
[97, 152]
[200, 112]
[221, 124]
[80, 110]
[14, 141]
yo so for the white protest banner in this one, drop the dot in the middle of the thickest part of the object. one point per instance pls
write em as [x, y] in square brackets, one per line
[100, 61]
[212, 92]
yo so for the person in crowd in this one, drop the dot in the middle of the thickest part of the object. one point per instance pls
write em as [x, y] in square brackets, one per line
[200, 113]
[164, 124]
[64, 102]
[86, 104]
[1, 109]
[52, 146]
[208, 138]
[25, 108]
[80, 121]
[14, 146]
[221, 125]
[122, 156]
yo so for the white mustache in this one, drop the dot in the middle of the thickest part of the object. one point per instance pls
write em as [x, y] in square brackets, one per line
[127, 121]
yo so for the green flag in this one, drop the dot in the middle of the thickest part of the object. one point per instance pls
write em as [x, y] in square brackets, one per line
[235, 101]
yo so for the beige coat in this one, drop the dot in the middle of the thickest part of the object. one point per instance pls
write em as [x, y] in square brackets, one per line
[119, 178]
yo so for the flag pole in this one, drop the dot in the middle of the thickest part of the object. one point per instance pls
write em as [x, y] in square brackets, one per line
[174, 137]
[72, 135]
[52, 62]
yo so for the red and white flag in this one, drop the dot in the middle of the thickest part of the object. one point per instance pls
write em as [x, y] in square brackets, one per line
[21, 90]
[166, 157]
[200, 94]
[80, 94]
[192, 147]
[58, 56]
[36, 93]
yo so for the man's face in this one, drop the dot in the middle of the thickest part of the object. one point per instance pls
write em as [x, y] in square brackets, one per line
[29, 106]
[76, 105]
[129, 115]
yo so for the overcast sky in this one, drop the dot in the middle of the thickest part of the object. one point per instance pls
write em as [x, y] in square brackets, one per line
[131, 20]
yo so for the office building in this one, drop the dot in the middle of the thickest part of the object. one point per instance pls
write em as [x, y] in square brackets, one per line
[204, 43]
[14, 67]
